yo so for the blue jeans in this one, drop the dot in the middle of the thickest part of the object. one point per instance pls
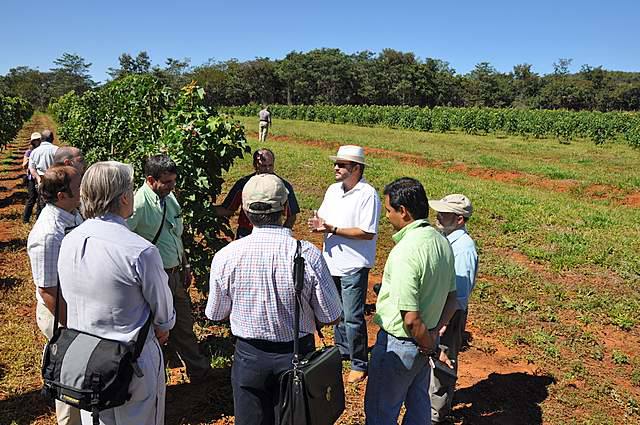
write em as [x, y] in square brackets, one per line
[351, 333]
[398, 374]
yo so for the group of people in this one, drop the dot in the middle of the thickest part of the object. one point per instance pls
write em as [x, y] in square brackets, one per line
[115, 257]
[108, 258]
[421, 307]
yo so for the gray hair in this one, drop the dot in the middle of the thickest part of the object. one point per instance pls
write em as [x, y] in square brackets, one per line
[47, 136]
[65, 152]
[102, 186]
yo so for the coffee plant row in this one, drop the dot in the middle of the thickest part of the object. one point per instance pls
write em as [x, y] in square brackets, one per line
[565, 125]
[14, 111]
[137, 116]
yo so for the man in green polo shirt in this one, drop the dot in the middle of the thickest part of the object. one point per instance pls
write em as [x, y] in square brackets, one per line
[416, 299]
[157, 217]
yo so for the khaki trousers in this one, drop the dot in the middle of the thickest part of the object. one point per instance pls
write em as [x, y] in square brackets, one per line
[441, 389]
[264, 131]
[65, 414]
[182, 340]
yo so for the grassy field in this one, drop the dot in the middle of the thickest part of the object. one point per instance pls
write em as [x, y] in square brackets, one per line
[558, 231]
[553, 336]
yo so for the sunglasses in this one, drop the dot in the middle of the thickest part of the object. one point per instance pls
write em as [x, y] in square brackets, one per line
[346, 165]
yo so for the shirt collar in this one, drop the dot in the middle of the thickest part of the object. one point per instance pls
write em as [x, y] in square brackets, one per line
[456, 234]
[358, 186]
[65, 217]
[150, 194]
[397, 237]
[271, 229]
[113, 218]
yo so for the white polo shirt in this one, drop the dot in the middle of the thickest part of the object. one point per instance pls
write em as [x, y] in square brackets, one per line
[359, 207]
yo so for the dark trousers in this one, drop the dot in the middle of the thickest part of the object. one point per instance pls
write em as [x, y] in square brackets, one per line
[255, 374]
[182, 340]
[32, 199]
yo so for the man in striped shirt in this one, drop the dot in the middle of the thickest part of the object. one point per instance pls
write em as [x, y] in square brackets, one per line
[251, 283]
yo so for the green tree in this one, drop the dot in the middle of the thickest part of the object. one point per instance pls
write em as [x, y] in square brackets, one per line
[141, 64]
[71, 73]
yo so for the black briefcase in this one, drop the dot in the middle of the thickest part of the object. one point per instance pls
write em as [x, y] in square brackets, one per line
[312, 391]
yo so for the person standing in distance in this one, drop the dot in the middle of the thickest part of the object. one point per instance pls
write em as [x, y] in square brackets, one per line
[265, 123]
[30, 180]
[349, 217]
[157, 217]
[453, 213]
[40, 160]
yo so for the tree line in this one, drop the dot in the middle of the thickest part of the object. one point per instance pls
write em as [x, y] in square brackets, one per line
[330, 76]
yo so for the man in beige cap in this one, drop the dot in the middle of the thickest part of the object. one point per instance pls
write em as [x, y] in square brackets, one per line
[348, 217]
[453, 213]
[251, 283]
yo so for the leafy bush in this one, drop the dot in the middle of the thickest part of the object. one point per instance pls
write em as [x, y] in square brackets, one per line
[14, 111]
[597, 126]
[138, 116]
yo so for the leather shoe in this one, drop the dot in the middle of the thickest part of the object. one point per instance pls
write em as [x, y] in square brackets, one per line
[356, 376]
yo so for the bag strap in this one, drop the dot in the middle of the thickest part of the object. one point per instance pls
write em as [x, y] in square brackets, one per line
[164, 213]
[298, 281]
[142, 337]
[56, 313]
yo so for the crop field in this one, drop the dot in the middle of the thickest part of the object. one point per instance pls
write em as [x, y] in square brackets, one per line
[553, 334]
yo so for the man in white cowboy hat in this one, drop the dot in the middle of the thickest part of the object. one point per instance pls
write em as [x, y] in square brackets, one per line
[348, 217]
[453, 213]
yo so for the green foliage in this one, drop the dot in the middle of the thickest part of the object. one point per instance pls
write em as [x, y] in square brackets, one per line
[137, 116]
[564, 125]
[619, 357]
[14, 111]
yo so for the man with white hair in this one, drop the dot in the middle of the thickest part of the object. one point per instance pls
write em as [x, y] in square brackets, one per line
[114, 283]
[349, 217]
[453, 213]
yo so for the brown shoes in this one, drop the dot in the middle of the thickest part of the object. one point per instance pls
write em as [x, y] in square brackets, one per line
[356, 376]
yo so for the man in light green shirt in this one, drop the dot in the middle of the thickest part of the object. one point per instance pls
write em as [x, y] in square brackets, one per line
[157, 217]
[417, 298]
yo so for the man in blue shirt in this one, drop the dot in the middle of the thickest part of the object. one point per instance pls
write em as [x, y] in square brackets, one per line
[453, 213]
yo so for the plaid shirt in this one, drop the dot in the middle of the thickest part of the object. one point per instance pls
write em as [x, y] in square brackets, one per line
[252, 283]
[43, 244]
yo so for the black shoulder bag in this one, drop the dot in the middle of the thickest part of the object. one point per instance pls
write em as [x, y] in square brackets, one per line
[312, 391]
[87, 371]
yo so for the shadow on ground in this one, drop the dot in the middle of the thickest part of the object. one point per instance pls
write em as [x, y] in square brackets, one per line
[14, 198]
[13, 244]
[200, 403]
[24, 409]
[512, 398]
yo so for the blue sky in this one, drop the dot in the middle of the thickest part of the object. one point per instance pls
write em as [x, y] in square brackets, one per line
[461, 32]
